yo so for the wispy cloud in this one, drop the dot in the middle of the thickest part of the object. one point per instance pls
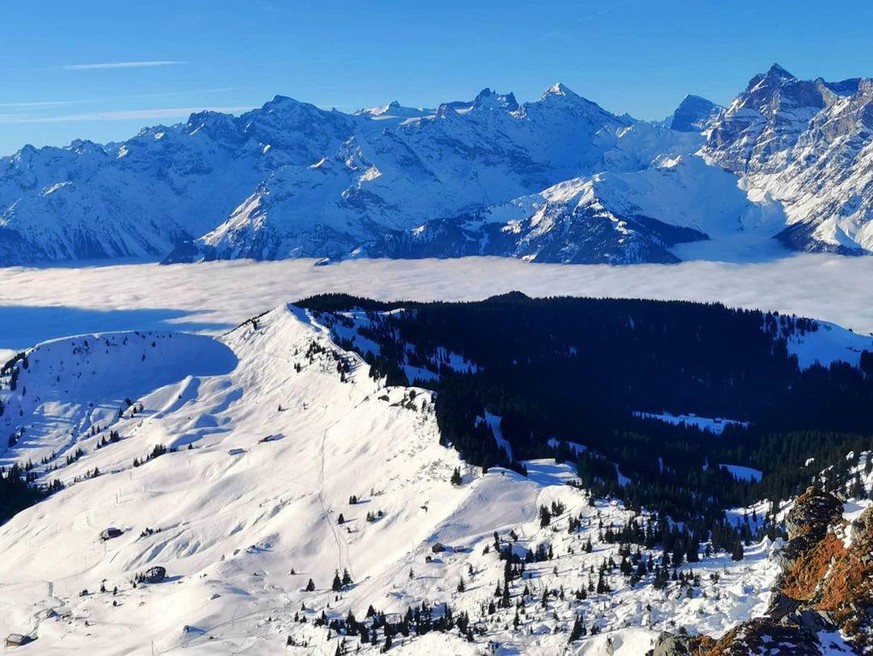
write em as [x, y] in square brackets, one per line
[47, 104]
[41, 104]
[125, 115]
[124, 64]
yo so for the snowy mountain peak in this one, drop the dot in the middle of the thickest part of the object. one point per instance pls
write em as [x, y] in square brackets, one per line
[558, 89]
[805, 144]
[394, 110]
[693, 114]
[560, 98]
[284, 104]
[778, 73]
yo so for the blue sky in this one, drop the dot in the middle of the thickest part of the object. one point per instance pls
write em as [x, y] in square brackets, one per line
[102, 69]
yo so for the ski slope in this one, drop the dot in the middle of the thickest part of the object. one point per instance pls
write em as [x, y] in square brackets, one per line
[274, 429]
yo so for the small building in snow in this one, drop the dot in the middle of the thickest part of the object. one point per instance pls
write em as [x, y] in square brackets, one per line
[17, 640]
[109, 533]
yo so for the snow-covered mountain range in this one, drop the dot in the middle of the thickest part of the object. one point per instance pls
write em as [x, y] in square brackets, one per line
[555, 180]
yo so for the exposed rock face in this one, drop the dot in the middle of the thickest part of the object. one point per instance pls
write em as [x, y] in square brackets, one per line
[694, 114]
[845, 595]
[669, 644]
[807, 525]
[826, 585]
[763, 635]
[813, 513]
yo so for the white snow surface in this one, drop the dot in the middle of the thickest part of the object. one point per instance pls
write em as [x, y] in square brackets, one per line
[828, 344]
[493, 422]
[743, 473]
[276, 452]
[715, 425]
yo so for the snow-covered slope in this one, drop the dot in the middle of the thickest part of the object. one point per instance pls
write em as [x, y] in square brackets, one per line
[270, 431]
[656, 193]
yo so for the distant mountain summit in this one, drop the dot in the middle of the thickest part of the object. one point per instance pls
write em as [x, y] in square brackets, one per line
[559, 179]
[809, 146]
[694, 114]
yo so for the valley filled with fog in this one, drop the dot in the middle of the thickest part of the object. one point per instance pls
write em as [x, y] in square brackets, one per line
[43, 303]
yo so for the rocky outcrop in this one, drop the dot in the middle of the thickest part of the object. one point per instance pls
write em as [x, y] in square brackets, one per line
[812, 514]
[764, 635]
[845, 595]
[826, 585]
[669, 644]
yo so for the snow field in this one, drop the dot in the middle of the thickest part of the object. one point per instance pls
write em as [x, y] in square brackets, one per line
[278, 445]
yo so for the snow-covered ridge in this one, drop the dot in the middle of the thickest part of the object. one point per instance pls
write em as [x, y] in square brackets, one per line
[270, 431]
[829, 343]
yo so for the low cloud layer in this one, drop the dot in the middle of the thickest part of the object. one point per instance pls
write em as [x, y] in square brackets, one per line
[216, 295]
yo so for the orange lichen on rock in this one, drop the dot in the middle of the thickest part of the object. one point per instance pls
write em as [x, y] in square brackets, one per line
[846, 594]
[802, 578]
[764, 635]
[825, 585]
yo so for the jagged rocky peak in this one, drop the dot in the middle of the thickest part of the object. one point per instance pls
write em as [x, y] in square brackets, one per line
[810, 93]
[778, 89]
[485, 100]
[694, 114]
[775, 74]
[488, 99]
[217, 125]
[84, 146]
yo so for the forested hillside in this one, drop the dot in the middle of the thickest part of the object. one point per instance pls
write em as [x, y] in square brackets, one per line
[582, 378]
